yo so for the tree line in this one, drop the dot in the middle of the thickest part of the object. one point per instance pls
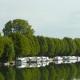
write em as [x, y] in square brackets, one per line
[19, 40]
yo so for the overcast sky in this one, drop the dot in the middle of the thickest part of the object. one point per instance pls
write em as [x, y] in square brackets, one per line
[54, 18]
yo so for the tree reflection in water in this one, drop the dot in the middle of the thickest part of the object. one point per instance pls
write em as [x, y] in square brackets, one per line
[51, 72]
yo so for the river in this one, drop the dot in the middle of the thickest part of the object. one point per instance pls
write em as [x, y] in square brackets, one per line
[50, 72]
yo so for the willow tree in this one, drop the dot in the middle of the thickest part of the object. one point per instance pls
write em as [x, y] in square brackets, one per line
[43, 45]
[21, 44]
[1, 46]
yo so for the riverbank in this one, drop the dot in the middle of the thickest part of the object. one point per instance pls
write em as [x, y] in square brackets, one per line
[41, 61]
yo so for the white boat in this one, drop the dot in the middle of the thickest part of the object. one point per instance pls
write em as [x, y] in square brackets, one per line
[72, 57]
[29, 62]
[32, 59]
[58, 58]
[70, 61]
[78, 58]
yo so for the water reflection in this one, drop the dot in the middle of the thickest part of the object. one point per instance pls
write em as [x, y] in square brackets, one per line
[51, 72]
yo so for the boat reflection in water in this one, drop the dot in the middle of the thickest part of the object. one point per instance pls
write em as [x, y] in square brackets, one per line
[32, 62]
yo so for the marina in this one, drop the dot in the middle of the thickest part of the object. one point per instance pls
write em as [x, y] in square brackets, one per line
[41, 61]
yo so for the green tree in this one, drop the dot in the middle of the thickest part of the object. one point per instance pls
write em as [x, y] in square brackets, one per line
[51, 47]
[35, 46]
[77, 42]
[9, 53]
[58, 47]
[66, 47]
[1, 46]
[18, 25]
[43, 45]
[21, 44]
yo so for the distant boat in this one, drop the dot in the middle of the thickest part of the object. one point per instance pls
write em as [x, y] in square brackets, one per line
[32, 62]
[66, 59]
[29, 62]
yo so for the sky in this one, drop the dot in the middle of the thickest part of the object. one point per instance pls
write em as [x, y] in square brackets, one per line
[52, 18]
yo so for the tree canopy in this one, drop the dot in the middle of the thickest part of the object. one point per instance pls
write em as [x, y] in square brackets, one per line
[18, 40]
[18, 25]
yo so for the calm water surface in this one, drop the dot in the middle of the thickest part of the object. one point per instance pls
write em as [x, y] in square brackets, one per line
[51, 72]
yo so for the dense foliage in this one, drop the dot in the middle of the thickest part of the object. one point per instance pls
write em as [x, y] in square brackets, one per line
[19, 40]
[18, 25]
